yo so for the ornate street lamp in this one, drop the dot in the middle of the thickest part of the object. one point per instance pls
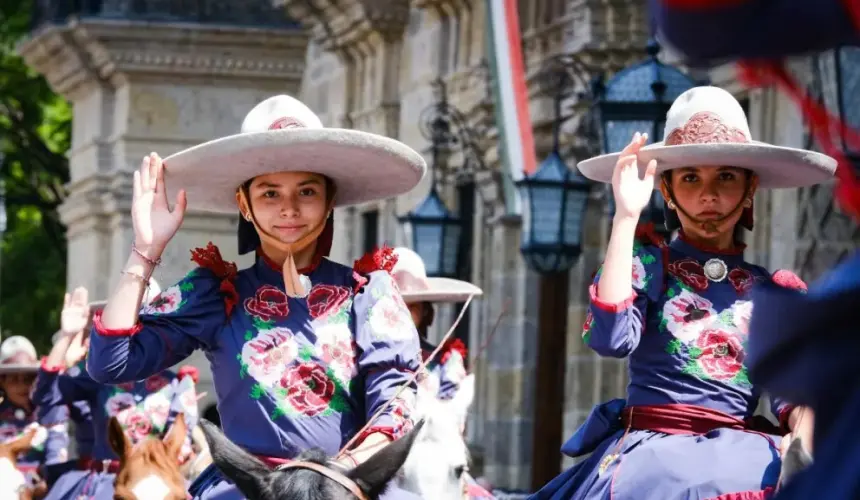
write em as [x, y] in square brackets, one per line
[554, 203]
[637, 99]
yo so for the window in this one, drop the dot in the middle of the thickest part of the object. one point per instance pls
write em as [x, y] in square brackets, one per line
[370, 227]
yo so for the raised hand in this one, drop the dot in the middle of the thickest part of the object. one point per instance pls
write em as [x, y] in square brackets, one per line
[76, 312]
[154, 222]
[632, 193]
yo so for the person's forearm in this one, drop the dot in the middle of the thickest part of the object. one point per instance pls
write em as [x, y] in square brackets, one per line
[124, 303]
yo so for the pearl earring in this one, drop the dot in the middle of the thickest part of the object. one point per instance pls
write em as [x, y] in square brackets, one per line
[748, 203]
[670, 204]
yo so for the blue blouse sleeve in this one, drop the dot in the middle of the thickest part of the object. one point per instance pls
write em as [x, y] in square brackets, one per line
[182, 318]
[389, 353]
[55, 390]
[57, 443]
[614, 330]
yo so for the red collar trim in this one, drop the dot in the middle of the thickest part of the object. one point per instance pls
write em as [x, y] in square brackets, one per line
[737, 249]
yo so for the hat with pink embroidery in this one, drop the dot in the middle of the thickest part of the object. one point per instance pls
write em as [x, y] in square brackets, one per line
[415, 286]
[707, 126]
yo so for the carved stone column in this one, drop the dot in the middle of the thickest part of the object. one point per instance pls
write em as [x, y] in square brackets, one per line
[157, 79]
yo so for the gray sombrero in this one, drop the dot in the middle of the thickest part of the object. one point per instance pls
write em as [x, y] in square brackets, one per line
[281, 134]
[411, 278]
[17, 354]
[707, 126]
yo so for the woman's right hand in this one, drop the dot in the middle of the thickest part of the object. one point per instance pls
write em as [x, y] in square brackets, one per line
[632, 194]
[154, 222]
[76, 312]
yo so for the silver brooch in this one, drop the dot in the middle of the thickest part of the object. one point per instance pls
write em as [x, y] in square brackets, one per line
[716, 270]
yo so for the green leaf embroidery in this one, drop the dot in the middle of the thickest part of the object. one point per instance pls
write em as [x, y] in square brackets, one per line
[261, 324]
[192, 273]
[306, 353]
[684, 286]
[181, 304]
[727, 317]
[257, 391]
[278, 412]
[585, 337]
[664, 324]
[249, 335]
[243, 366]
[694, 369]
[186, 286]
[742, 378]
[670, 292]
[694, 352]
[673, 347]
[648, 259]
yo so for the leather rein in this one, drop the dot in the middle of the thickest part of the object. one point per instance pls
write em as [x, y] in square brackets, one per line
[332, 474]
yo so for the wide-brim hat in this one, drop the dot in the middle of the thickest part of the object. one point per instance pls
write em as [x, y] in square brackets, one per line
[707, 126]
[17, 354]
[411, 278]
[281, 134]
[151, 293]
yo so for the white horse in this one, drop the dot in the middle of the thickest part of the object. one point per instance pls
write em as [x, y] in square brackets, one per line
[439, 457]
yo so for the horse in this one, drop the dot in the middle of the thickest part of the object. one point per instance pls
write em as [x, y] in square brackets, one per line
[13, 482]
[149, 470]
[439, 460]
[312, 476]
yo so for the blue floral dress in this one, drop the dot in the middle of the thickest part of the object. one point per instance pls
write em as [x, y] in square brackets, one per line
[290, 374]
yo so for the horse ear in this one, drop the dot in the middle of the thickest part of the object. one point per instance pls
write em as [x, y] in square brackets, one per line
[175, 437]
[245, 470]
[117, 439]
[22, 443]
[465, 395]
[373, 475]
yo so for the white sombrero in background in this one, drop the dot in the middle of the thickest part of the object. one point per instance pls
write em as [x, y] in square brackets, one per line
[148, 296]
[411, 277]
[707, 126]
[17, 354]
[281, 134]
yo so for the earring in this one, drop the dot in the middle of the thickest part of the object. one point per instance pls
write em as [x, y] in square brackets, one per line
[670, 204]
[248, 217]
[748, 203]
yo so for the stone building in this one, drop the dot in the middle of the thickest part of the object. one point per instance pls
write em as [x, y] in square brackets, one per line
[190, 74]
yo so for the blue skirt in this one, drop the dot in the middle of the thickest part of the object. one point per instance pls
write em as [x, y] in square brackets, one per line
[83, 483]
[652, 465]
[211, 485]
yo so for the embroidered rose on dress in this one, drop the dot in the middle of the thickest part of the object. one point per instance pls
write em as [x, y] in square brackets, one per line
[586, 326]
[136, 424]
[340, 356]
[326, 299]
[156, 382]
[267, 355]
[309, 389]
[742, 280]
[690, 272]
[119, 402]
[401, 410]
[741, 312]
[168, 301]
[639, 276]
[267, 304]
[722, 354]
[686, 315]
[390, 320]
[157, 406]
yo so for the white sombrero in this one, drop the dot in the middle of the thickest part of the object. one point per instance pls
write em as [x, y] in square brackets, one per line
[411, 277]
[707, 126]
[151, 293]
[17, 354]
[281, 134]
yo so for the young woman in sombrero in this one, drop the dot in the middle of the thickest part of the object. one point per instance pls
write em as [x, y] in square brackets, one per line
[420, 293]
[143, 407]
[304, 350]
[19, 364]
[680, 311]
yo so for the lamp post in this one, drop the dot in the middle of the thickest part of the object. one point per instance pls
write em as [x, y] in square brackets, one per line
[554, 203]
[636, 99]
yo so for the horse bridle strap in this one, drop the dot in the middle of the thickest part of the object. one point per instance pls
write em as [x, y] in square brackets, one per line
[334, 475]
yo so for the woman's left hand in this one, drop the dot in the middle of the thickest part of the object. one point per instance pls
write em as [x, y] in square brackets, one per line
[801, 421]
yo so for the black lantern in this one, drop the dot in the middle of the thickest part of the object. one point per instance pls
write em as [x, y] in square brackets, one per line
[637, 99]
[435, 235]
[839, 70]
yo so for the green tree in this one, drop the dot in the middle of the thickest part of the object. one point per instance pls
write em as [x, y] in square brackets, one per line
[35, 133]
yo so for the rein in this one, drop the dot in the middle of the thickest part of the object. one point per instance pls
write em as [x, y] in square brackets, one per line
[330, 473]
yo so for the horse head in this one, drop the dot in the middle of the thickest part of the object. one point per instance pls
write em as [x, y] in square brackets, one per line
[439, 458]
[149, 470]
[312, 476]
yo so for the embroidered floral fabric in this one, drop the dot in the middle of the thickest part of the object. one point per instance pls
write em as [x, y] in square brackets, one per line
[685, 334]
[290, 373]
[50, 443]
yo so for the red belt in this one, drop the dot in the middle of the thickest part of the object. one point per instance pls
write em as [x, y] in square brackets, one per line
[109, 466]
[689, 419]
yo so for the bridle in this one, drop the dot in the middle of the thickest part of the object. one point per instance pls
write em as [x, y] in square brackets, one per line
[332, 474]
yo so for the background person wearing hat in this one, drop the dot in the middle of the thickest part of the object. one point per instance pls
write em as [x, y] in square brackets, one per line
[18, 366]
[303, 350]
[681, 311]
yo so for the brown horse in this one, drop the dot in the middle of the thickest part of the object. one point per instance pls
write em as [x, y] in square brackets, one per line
[149, 470]
[13, 483]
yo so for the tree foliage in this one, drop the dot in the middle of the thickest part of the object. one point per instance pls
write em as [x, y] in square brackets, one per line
[35, 133]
